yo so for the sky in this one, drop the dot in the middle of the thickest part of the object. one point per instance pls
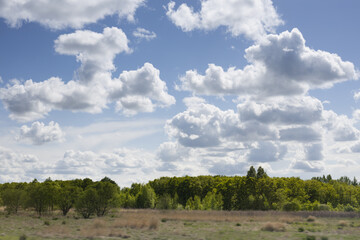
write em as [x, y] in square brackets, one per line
[135, 89]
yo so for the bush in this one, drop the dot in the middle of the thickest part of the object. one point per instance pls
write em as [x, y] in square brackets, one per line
[301, 229]
[311, 219]
[349, 208]
[85, 205]
[291, 206]
[23, 237]
[47, 223]
[274, 227]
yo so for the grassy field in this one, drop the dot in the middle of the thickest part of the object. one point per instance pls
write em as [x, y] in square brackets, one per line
[156, 224]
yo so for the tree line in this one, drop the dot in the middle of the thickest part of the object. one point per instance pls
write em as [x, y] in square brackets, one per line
[255, 191]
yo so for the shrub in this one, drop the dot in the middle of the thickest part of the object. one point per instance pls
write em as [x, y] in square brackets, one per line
[311, 219]
[342, 223]
[23, 237]
[301, 229]
[274, 227]
[47, 223]
[85, 205]
[291, 206]
[349, 208]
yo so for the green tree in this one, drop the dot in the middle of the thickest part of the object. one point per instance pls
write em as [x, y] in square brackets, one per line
[105, 197]
[86, 203]
[12, 199]
[146, 197]
[66, 197]
[261, 173]
[251, 172]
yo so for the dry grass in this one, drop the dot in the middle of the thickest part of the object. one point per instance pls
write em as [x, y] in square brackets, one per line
[274, 227]
[343, 223]
[137, 221]
[311, 219]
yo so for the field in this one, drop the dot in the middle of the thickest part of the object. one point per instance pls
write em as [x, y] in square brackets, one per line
[156, 224]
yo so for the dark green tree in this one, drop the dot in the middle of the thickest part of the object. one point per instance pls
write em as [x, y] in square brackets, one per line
[251, 172]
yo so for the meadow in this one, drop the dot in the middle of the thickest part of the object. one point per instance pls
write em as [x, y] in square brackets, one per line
[182, 224]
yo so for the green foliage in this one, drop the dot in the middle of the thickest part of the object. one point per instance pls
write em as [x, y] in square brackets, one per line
[292, 206]
[251, 172]
[86, 203]
[66, 197]
[12, 199]
[212, 201]
[146, 197]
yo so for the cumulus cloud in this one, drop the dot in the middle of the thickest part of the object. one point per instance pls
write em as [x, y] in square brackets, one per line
[300, 134]
[204, 125]
[306, 166]
[314, 152]
[134, 91]
[16, 166]
[280, 65]
[341, 127]
[267, 152]
[301, 110]
[39, 133]
[62, 14]
[87, 163]
[357, 95]
[95, 51]
[252, 19]
[142, 33]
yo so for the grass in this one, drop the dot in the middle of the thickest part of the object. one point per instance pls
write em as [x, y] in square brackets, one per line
[159, 224]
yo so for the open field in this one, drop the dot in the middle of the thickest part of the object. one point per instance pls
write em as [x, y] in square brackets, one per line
[156, 224]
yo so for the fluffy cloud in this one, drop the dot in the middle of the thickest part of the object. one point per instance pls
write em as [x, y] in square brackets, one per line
[357, 95]
[14, 166]
[301, 110]
[120, 161]
[62, 14]
[314, 152]
[341, 127]
[252, 19]
[267, 152]
[281, 65]
[142, 33]
[139, 90]
[95, 51]
[39, 133]
[306, 166]
[204, 125]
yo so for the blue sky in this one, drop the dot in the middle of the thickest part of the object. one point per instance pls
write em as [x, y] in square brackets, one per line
[135, 90]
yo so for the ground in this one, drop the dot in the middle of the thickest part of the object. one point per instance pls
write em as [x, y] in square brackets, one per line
[157, 224]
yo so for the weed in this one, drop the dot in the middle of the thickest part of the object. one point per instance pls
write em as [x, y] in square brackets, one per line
[23, 237]
[63, 222]
[311, 219]
[238, 224]
[342, 223]
[163, 220]
[309, 237]
[55, 218]
[301, 229]
[46, 222]
[274, 227]
[154, 224]
[324, 238]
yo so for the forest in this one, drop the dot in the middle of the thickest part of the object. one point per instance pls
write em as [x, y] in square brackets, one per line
[255, 191]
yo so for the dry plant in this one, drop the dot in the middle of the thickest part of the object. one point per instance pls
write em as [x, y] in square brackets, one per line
[137, 221]
[342, 223]
[55, 231]
[311, 218]
[274, 227]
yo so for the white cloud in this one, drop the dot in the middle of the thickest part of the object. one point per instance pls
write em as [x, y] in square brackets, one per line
[284, 111]
[267, 152]
[133, 91]
[281, 65]
[62, 14]
[314, 152]
[1, 80]
[357, 95]
[306, 166]
[252, 19]
[204, 125]
[16, 166]
[142, 33]
[95, 51]
[39, 133]
[300, 134]
[341, 127]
